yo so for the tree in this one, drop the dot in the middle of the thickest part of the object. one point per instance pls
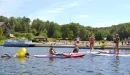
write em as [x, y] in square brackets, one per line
[75, 27]
[101, 34]
[34, 31]
[128, 28]
[12, 24]
[105, 33]
[29, 36]
[64, 31]
[1, 34]
[83, 34]
[18, 25]
[70, 35]
[3, 19]
[98, 35]
[38, 25]
[25, 24]
[52, 27]
[88, 34]
[21, 26]
[56, 34]
[43, 33]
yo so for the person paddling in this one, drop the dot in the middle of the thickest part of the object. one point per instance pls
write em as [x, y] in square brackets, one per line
[76, 49]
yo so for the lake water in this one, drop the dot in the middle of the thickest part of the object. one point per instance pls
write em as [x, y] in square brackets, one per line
[88, 65]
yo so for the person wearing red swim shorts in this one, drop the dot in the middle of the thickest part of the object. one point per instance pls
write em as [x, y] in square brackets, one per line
[91, 41]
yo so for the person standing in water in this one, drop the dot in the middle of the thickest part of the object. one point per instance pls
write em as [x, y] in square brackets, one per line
[91, 41]
[116, 41]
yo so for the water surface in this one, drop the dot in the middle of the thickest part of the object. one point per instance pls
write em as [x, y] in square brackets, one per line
[88, 65]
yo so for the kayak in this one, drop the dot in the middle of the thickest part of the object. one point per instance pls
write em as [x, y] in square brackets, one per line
[102, 54]
[63, 55]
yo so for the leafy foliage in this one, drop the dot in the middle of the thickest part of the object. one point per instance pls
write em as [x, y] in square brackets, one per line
[1, 34]
[23, 27]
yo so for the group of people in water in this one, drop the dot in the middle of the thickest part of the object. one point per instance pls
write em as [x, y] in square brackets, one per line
[76, 49]
[51, 53]
[116, 40]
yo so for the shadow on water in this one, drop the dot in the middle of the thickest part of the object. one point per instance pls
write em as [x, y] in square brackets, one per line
[90, 60]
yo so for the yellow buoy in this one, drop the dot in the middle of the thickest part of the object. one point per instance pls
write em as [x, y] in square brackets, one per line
[21, 52]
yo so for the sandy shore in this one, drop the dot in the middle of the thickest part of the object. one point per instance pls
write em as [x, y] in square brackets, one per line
[82, 45]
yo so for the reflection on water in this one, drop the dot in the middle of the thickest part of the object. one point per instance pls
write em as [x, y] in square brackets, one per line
[115, 65]
[51, 59]
[116, 62]
[22, 60]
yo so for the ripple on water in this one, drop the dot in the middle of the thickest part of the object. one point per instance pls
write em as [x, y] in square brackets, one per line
[88, 65]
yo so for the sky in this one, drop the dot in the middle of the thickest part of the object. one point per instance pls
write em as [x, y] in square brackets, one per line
[94, 13]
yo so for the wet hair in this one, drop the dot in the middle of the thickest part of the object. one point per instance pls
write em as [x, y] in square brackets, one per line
[27, 54]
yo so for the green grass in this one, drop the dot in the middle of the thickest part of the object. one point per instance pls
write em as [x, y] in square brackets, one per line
[1, 42]
[50, 39]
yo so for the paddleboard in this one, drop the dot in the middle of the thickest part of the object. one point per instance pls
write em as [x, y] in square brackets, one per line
[102, 54]
[111, 52]
[93, 52]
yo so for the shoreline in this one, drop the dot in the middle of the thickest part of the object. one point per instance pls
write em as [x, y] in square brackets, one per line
[109, 45]
[69, 46]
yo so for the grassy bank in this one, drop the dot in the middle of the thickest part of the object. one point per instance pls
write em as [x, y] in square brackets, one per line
[1, 42]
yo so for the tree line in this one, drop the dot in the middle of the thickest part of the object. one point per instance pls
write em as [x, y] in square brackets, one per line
[24, 27]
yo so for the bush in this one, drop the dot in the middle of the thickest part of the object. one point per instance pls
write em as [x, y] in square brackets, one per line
[29, 36]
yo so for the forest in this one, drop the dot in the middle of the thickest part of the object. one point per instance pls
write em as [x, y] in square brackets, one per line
[24, 27]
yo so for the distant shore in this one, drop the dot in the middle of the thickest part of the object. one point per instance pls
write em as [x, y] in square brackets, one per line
[108, 45]
[82, 45]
